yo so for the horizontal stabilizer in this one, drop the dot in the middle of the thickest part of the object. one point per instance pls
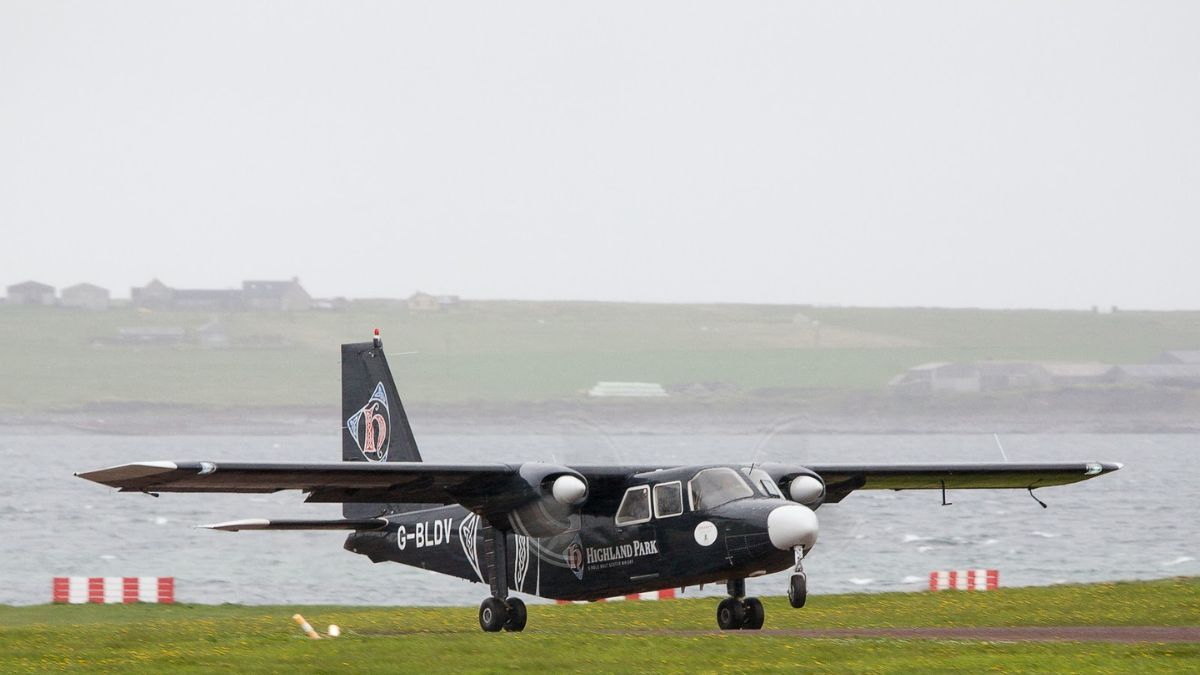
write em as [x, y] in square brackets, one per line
[264, 524]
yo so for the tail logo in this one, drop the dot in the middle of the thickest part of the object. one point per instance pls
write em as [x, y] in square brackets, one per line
[370, 425]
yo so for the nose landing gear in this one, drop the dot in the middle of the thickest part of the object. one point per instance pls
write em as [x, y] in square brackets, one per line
[798, 584]
[737, 611]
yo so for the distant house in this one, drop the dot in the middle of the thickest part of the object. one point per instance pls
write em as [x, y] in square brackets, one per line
[285, 296]
[447, 301]
[1188, 356]
[423, 302]
[85, 296]
[30, 293]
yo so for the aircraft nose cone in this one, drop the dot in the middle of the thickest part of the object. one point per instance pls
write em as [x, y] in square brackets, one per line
[791, 526]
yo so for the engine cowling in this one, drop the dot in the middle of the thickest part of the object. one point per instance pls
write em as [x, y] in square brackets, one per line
[798, 483]
[557, 492]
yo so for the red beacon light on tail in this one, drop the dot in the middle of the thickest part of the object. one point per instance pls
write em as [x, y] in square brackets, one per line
[377, 340]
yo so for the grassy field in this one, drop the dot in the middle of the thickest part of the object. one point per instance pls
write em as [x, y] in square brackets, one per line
[610, 637]
[533, 351]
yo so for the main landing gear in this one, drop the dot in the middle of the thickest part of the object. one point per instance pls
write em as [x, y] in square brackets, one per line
[737, 611]
[499, 612]
[509, 614]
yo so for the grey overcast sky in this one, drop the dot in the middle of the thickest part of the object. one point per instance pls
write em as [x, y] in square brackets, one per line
[993, 154]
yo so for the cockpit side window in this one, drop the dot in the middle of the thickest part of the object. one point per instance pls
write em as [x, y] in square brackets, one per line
[635, 506]
[711, 488]
[668, 499]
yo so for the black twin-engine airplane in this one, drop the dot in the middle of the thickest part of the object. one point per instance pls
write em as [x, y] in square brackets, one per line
[564, 532]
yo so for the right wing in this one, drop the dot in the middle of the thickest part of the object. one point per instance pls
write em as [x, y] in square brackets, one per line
[479, 487]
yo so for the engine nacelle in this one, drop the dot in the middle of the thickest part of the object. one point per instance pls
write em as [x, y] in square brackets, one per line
[798, 483]
[557, 492]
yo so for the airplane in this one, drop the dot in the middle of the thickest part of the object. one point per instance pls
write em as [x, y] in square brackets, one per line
[564, 532]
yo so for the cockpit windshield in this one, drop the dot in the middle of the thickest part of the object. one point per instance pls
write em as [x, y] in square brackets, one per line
[713, 487]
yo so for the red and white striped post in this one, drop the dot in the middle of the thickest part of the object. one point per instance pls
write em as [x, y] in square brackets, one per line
[113, 590]
[964, 580]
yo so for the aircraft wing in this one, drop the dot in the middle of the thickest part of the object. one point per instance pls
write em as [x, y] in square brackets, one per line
[480, 487]
[842, 479]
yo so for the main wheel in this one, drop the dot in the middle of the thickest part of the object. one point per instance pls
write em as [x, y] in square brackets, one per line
[492, 615]
[517, 615]
[798, 590]
[754, 614]
[730, 614]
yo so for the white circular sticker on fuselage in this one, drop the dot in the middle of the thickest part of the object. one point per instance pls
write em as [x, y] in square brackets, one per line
[706, 533]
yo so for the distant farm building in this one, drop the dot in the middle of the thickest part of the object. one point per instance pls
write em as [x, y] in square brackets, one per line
[1077, 374]
[1183, 356]
[257, 295]
[423, 302]
[1159, 374]
[149, 335]
[85, 296]
[204, 299]
[285, 296]
[969, 377]
[31, 293]
[627, 390]
[154, 295]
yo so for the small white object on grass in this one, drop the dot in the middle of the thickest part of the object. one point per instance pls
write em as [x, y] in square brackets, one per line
[334, 631]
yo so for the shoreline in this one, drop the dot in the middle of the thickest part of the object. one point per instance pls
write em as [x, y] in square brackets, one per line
[1067, 411]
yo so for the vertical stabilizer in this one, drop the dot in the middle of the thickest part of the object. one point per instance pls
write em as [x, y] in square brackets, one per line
[374, 425]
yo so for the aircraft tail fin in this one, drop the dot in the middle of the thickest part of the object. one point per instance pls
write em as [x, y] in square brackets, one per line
[374, 425]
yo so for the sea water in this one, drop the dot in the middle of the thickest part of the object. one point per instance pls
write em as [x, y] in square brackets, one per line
[1142, 522]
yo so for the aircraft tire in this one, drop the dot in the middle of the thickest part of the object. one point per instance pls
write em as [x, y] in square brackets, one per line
[755, 615]
[517, 615]
[798, 590]
[730, 614]
[492, 615]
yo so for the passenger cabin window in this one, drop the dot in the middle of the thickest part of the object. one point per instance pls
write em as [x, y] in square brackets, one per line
[713, 487]
[763, 480]
[668, 499]
[635, 506]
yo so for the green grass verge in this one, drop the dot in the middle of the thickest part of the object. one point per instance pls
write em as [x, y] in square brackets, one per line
[610, 637]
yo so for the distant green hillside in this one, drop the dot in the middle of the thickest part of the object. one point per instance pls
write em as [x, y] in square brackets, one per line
[530, 351]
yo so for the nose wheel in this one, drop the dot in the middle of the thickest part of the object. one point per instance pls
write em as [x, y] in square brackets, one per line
[798, 584]
[738, 612]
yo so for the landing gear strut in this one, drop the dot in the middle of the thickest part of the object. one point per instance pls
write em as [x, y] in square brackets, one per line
[737, 611]
[798, 585]
[499, 612]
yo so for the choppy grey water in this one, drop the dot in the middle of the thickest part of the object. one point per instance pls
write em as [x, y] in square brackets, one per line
[1142, 522]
